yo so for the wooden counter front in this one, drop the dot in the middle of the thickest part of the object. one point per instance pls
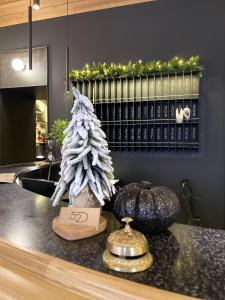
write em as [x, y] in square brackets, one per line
[26, 274]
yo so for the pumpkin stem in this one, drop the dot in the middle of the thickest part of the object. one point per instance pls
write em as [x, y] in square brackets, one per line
[146, 185]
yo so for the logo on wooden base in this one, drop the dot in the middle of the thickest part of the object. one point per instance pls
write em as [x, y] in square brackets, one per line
[77, 223]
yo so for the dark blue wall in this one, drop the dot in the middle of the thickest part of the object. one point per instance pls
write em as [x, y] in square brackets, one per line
[155, 30]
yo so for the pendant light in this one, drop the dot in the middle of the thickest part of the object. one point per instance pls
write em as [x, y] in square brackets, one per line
[68, 96]
[36, 6]
[67, 49]
[30, 36]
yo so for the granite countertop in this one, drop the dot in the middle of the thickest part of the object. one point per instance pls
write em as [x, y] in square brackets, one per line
[18, 168]
[187, 260]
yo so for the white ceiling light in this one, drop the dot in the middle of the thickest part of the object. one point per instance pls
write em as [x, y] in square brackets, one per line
[18, 64]
[36, 5]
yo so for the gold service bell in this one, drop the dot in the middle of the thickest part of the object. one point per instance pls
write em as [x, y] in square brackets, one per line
[127, 250]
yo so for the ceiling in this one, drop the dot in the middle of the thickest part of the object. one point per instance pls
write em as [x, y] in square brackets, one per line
[15, 11]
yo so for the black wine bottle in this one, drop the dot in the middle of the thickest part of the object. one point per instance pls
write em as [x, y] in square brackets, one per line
[165, 110]
[165, 133]
[124, 134]
[124, 111]
[131, 134]
[194, 133]
[151, 110]
[187, 133]
[158, 110]
[98, 111]
[144, 110]
[172, 110]
[144, 134]
[117, 111]
[179, 134]
[118, 134]
[111, 112]
[158, 134]
[131, 110]
[106, 130]
[151, 133]
[194, 109]
[144, 137]
[138, 134]
[137, 106]
[112, 134]
[172, 136]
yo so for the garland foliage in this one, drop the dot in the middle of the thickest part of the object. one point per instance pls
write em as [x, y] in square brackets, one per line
[137, 69]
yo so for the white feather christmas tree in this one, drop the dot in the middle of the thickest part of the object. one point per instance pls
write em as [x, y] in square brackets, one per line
[85, 156]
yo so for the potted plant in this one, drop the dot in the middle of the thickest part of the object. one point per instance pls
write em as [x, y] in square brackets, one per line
[57, 133]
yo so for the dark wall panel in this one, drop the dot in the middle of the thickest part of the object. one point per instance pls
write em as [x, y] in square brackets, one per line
[18, 126]
[157, 30]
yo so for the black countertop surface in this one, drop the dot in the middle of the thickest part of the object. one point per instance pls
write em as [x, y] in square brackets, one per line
[187, 260]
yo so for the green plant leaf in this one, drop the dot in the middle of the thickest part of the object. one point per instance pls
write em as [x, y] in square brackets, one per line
[57, 130]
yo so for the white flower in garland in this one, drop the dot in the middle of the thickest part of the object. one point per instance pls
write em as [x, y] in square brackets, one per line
[85, 155]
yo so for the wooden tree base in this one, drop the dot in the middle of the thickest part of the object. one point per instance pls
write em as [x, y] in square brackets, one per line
[77, 232]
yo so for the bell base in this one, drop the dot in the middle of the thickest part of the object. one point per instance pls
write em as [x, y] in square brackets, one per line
[77, 232]
[121, 264]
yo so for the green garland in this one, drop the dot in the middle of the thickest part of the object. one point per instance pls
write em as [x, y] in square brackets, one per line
[112, 70]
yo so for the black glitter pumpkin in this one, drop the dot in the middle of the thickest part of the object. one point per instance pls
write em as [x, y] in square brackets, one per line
[153, 209]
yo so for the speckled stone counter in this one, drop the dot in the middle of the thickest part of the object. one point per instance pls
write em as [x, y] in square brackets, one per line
[17, 169]
[187, 260]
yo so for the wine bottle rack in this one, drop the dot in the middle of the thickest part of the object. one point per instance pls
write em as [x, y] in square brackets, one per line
[139, 114]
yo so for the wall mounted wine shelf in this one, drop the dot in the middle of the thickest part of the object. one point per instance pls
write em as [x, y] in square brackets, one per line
[151, 113]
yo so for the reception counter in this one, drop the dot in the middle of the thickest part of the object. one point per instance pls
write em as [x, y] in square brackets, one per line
[187, 260]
